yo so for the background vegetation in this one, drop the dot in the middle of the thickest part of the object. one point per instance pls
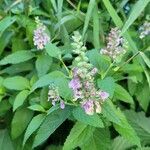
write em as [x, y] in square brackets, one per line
[28, 121]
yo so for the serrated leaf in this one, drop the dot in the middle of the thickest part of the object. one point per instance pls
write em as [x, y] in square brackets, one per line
[47, 79]
[121, 143]
[126, 130]
[143, 95]
[110, 112]
[140, 123]
[17, 57]
[5, 140]
[78, 136]
[43, 64]
[107, 85]
[122, 94]
[33, 126]
[20, 98]
[93, 120]
[53, 50]
[16, 83]
[99, 140]
[50, 124]
[98, 60]
[135, 12]
[20, 121]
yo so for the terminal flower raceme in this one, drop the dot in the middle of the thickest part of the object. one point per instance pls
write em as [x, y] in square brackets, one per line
[40, 37]
[83, 85]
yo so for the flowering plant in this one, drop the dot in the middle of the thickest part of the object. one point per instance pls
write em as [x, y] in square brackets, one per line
[74, 75]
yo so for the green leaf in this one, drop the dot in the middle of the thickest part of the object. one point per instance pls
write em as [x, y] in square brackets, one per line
[78, 136]
[53, 50]
[141, 125]
[5, 141]
[136, 11]
[43, 64]
[37, 107]
[107, 85]
[146, 59]
[6, 22]
[50, 124]
[33, 126]
[4, 107]
[110, 112]
[20, 121]
[99, 140]
[93, 120]
[121, 143]
[126, 130]
[17, 57]
[122, 94]
[20, 98]
[63, 88]
[16, 83]
[4, 40]
[88, 15]
[143, 95]
[98, 60]
[17, 68]
[47, 79]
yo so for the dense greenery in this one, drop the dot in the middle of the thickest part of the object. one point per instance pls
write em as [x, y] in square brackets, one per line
[83, 34]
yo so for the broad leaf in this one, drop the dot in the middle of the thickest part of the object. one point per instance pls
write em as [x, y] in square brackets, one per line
[53, 50]
[93, 120]
[78, 136]
[6, 22]
[17, 57]
[47, 79]
[99, 140]
[50, 124]
[126, 130]
[110, 112]
[20, 98]
[5, 140]
[43, 64]
[140, 123]
[107, 85]
[16, 83]
[33, 126]
[122, 94]
[20, 121]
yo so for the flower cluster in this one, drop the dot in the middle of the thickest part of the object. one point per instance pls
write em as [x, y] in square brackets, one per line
[115, 44]
[82, 84]
[40, 38]
[53, 96]
[144, 29]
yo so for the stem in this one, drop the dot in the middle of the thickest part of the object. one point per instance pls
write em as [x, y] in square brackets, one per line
[104, 75]
[127, 61]
[65, 67]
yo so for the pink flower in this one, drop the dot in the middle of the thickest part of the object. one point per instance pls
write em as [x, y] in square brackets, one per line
[40, 37]
[103, 95]
[88, 107]
[75, 84]
[62, 104]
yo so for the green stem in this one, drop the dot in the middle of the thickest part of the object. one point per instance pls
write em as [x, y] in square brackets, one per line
[65, 67]
[118, 68]
[104, 75]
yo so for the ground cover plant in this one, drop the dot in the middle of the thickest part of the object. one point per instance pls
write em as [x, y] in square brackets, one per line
[74, 75]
